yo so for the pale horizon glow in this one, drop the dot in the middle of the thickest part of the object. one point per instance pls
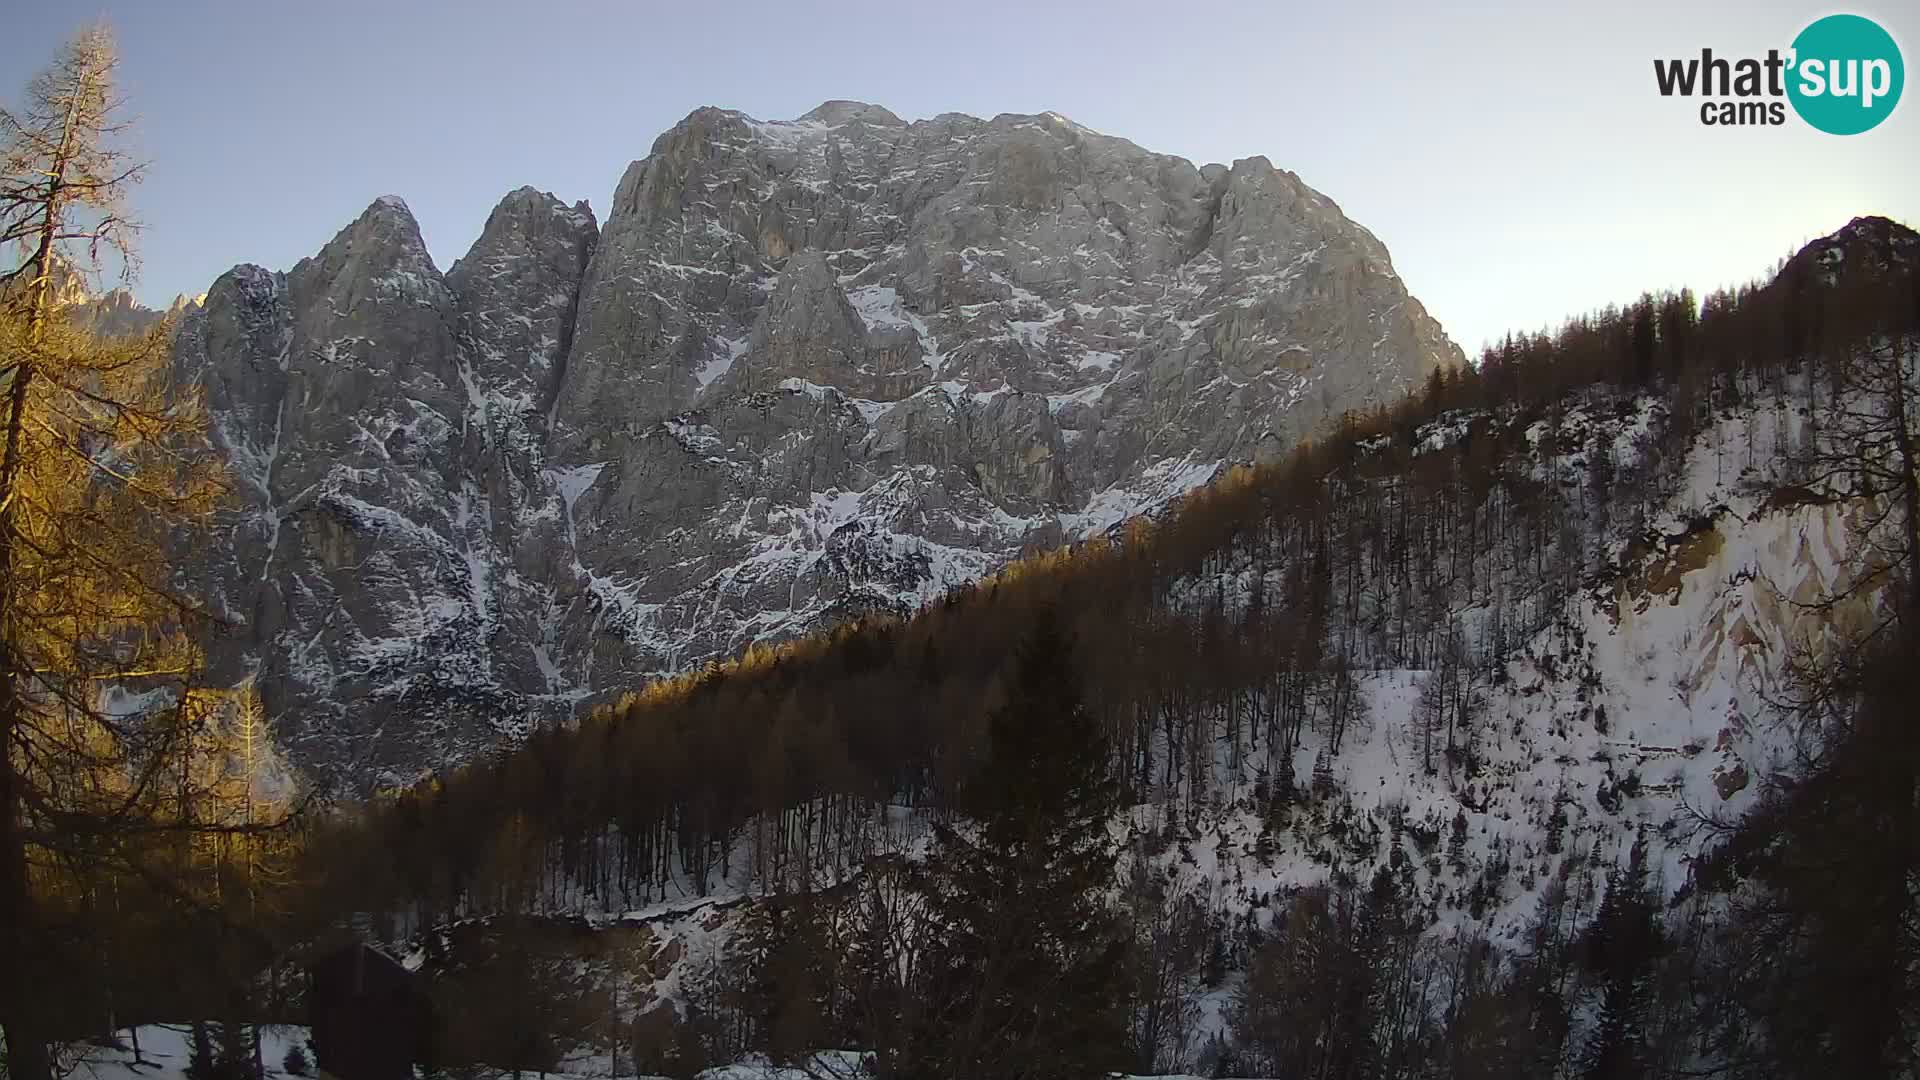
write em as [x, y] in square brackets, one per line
[1516, 159]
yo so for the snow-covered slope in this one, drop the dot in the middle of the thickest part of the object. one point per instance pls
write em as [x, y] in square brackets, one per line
[1638, 704]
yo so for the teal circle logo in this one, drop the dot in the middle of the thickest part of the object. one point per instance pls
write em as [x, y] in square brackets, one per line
[1846, 75]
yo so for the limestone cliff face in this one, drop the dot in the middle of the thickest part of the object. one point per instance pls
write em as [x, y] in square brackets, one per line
[806, 369]
[383, 432]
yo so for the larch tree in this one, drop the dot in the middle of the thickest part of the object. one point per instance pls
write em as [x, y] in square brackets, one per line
[63, 184]
[102, 474]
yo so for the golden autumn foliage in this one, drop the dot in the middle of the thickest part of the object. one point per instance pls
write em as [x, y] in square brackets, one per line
[94, 628]
[124, 818]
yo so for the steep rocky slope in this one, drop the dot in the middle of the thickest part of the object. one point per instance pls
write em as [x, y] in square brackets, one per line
[806, 369]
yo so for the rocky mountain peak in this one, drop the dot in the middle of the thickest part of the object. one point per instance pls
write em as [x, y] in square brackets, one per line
[1872, 246]
[835, 113]
[379, 257]
[809, 332]
[805, 369]
[515, 293]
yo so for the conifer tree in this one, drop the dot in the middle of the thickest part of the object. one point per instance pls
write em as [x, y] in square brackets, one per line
[1457, 842]
[1025, 970]
[1623, 946]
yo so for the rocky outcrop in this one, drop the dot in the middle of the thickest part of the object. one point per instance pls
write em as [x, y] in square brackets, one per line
[368, 570]
[806, 369]
[516, 294]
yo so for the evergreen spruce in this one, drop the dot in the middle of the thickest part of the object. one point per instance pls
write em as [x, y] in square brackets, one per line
[1286, 784]
[1457, 842]
[1026, 966]
[1323, 785]
[1622, 950]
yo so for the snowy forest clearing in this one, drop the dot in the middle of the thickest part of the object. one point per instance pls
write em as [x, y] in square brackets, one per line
[165, 1052]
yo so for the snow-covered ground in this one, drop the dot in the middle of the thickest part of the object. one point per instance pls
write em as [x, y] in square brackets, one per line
[166, 1050]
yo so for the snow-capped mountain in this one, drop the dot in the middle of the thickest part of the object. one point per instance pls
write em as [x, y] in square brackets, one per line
[805, 369]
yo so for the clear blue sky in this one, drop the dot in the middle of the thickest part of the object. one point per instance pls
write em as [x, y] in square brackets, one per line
[1515, 158]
